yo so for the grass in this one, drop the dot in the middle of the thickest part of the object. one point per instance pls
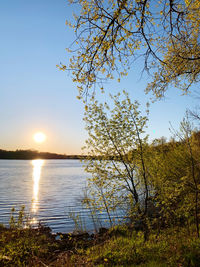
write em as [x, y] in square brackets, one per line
[119, 246]
[23, 247]
[122, 247]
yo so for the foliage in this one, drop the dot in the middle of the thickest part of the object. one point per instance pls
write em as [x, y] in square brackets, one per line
[119, 178]
[158, 183]
[111, 35]
[172, 247]
[175, 173]
[25, 247]
[78, 221]
[120, 246]
[19, 220]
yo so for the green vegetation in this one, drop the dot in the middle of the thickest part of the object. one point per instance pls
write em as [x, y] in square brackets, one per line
[22, 247]
[109, 40]
[119, 246]
[123, 247]
[155, 184]
[117, 182]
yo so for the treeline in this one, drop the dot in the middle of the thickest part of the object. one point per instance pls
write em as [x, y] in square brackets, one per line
[34, 154]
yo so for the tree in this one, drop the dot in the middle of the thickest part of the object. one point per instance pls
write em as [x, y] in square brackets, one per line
[117, 147]
[111, 35]
[186, 128]
[175, 174]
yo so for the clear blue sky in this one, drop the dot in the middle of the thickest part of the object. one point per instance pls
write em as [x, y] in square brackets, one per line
[36, 96]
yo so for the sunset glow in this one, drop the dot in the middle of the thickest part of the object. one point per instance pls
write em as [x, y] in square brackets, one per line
[39, 137]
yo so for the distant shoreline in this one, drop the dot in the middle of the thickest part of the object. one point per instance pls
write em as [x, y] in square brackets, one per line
[42, 158]
[34, 154]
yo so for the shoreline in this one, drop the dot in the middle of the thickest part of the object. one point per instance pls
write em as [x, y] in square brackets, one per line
[117, 246]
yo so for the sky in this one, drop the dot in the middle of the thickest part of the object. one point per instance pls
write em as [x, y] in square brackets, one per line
[36, 96]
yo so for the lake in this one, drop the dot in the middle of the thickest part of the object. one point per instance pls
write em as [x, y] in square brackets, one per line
[49, 189]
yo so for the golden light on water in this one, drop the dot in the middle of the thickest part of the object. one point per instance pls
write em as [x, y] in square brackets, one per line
[39, 137]
[37, 166]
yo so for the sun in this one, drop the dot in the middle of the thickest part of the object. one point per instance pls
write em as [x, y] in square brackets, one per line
[39, 137]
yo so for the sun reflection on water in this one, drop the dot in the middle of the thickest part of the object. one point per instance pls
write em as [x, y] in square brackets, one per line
[37, 166]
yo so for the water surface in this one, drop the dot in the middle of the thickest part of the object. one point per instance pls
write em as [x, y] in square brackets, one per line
[49, 189]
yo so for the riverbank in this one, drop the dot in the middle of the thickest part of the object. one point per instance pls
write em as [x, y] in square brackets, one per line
[118, 246]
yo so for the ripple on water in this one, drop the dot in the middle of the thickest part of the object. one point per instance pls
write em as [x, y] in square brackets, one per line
[53, 187]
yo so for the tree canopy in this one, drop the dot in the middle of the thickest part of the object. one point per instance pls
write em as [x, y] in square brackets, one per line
[112, 34]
